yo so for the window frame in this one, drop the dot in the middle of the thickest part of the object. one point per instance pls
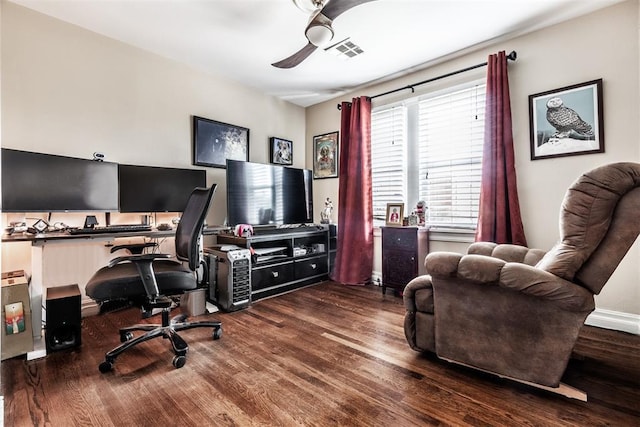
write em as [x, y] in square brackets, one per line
[411, 190]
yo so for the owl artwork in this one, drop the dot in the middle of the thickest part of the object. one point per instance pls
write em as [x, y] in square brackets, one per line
[566, 121]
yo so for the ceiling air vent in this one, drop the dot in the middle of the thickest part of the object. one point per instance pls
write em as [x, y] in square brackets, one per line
[345, 49]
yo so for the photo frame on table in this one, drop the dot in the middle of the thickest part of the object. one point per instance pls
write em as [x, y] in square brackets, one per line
[395, 214]
[214, 142]
[280, 151]
[567, 121]
[325, 155]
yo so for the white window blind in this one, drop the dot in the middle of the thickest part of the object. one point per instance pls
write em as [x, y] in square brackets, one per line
[388, 158]
[451, 135]
[430, 148]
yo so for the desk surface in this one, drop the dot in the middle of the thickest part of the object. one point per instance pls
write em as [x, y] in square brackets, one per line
[61, 235]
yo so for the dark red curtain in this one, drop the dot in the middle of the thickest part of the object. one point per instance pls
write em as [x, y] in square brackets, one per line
[354, 255]
[499, 217]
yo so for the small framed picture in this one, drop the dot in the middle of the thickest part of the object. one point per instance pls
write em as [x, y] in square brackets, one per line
[281, 151]
[215, 142]
[567, 121]
[325, 155]
[395, 214]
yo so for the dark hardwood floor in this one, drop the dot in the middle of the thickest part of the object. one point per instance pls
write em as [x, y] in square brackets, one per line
[326, 355]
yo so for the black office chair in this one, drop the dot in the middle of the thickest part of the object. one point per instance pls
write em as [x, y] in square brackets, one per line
[147, 279]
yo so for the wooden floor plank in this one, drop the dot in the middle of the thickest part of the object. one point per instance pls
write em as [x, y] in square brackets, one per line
[325, 355]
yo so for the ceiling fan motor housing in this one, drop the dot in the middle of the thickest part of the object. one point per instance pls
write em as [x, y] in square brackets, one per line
[320, 34]
[319, 31]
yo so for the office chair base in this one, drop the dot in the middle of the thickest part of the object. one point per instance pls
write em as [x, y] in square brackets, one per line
[168, 330]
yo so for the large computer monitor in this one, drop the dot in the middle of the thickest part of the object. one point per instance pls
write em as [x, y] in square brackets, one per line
[157, 189]
[38, 182]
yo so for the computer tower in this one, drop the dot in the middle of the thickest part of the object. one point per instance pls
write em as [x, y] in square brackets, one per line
[64, 318]
[229, 278]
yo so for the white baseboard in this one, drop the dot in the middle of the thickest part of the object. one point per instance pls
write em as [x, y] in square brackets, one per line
[615, 320]
[376, 278]
[39, 348]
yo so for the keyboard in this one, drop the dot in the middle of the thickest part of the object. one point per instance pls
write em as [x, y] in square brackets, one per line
[127, 228]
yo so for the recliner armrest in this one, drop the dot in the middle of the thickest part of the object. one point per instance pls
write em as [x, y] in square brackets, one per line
[409, 294]
[539, 283]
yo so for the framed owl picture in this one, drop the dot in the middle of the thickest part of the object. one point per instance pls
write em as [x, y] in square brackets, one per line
[567, 121]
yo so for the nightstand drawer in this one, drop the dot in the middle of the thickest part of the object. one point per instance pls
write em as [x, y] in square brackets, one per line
[399, 238]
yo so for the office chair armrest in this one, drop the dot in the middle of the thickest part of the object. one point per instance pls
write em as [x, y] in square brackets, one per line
[134, 248]
[137, 258]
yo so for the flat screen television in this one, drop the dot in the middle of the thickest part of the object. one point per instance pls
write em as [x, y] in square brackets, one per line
[157, 189]
[263, 194]
[38, 182]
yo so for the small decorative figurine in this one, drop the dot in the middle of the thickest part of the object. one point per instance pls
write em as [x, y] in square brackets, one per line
[243, 230]
[413, 218]
[421, 208]
[325, 215]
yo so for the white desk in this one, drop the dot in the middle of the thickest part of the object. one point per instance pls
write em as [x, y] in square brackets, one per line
[59, 259]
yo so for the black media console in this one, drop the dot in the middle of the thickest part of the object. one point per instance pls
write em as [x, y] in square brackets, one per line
[287, 259]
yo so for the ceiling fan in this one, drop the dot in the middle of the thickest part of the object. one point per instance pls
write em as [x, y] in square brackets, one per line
[319, 31]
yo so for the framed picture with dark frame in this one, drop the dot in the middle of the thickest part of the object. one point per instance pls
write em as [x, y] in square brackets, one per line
[214, 142]
[395, 214]
[281, 151]
[567, 121]
[325, 155]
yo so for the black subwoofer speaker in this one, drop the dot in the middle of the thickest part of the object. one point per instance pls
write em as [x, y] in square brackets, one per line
[64, 319]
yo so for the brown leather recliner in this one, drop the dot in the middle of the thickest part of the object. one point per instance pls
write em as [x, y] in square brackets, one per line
[516, 312]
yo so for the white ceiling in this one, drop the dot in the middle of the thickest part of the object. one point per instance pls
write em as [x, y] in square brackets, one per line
[239, 39]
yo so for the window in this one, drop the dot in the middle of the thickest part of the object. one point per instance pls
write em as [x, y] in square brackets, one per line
[430, 148]
[388, 159]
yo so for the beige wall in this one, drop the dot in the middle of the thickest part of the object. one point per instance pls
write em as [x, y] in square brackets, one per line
[69, 91]
[600, 45]
[72, 92]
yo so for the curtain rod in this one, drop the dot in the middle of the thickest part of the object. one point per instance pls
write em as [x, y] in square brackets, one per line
[512, 56]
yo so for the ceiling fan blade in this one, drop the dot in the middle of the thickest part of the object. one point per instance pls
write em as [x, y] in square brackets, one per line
[335, 8]
[324, 17]
[296, 58]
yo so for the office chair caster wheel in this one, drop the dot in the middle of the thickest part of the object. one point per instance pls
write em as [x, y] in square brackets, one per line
[179, 361]
[126, 336]
[217, 333]
[106, 366]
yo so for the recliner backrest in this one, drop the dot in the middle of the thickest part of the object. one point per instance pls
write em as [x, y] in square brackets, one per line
[190, 225]
[507, 252]
[622, 233]
[593, 216]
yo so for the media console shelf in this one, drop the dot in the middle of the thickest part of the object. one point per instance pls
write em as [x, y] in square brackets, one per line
[286, 260]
